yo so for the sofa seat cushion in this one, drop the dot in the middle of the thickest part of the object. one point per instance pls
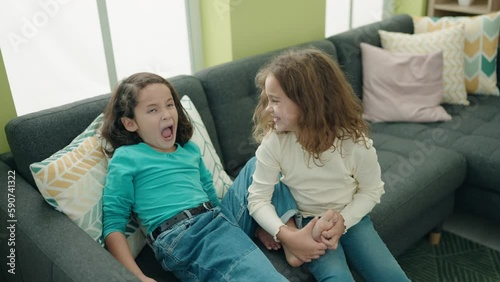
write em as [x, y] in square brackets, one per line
[415, 179]
[151, 267]
[474, 132]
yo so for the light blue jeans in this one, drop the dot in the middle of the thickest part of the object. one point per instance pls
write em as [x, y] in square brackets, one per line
[365, 252]
[217, 245]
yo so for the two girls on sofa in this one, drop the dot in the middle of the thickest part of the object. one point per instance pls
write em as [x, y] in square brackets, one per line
[312, 134]
[156, 172]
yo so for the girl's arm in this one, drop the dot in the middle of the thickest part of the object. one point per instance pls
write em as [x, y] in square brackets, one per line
[118, 197]
[260, 192]
[367, 172]
[207, 180]
[298, 241]
[208, 184]
[117, 245]
[265, 177]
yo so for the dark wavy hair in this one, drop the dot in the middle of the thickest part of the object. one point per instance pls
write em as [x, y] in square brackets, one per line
[315, 83]
[122, 104]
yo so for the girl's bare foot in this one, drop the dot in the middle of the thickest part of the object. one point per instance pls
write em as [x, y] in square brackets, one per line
[291, 259]
[267, 239]
[324, 223]
[270, 244]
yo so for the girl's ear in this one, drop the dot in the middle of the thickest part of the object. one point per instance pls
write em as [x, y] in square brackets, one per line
[129, 124]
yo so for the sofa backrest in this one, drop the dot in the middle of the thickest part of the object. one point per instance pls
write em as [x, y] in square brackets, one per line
[191, 86]
[348, 47]
[232, 95]
[498, 67]
[36, 136]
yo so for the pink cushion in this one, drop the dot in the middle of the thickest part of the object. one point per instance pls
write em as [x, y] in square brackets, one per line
[402, 87]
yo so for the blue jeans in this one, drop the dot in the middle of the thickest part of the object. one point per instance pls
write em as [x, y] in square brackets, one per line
[366, 253]
[217, 245]
[236, 200]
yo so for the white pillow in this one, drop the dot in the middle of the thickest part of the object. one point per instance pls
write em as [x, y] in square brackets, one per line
[221, 180]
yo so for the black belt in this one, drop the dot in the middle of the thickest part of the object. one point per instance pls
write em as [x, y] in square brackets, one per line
[167, 224]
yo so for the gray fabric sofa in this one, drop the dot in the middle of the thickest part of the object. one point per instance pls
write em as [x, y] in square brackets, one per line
[429, 169]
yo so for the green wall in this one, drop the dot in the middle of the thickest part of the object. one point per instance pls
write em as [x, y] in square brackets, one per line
[411, 7]
[216, 31]
[8, 111]
[233, 29]
[261, 25]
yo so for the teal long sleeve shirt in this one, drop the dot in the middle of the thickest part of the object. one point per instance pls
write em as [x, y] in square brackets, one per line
[155, 185]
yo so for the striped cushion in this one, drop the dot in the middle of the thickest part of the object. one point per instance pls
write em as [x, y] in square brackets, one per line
[480, 48]
[72, 181]
[450, 42]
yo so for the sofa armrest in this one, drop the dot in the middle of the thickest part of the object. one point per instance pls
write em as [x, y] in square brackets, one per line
[8, 159]
[48, 245]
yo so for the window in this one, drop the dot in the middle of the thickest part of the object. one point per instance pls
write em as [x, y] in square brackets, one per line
[149, 36]
[343, 15]
[59, 51]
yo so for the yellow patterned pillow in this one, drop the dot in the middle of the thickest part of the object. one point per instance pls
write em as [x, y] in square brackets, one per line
[450, 41]
[72, 181]
[480, 48]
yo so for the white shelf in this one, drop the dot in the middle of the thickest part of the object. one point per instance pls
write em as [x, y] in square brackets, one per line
[438, 8]
[472, 9]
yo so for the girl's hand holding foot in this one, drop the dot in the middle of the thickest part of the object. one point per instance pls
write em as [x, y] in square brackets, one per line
[332, 236]
[298, 244]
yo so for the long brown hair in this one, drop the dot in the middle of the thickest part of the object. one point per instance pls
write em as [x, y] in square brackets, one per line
[316, 84]
[122, 104]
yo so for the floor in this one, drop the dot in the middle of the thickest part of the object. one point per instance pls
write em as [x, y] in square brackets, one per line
[474, 228]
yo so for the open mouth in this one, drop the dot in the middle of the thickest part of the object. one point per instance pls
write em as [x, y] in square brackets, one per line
[167, 132]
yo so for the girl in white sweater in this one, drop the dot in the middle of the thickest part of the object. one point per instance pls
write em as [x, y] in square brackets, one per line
[313, 139]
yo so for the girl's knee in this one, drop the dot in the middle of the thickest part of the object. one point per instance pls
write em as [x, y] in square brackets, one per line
[335, 275]
[249, 166]
[245, 177]
[332, 267]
